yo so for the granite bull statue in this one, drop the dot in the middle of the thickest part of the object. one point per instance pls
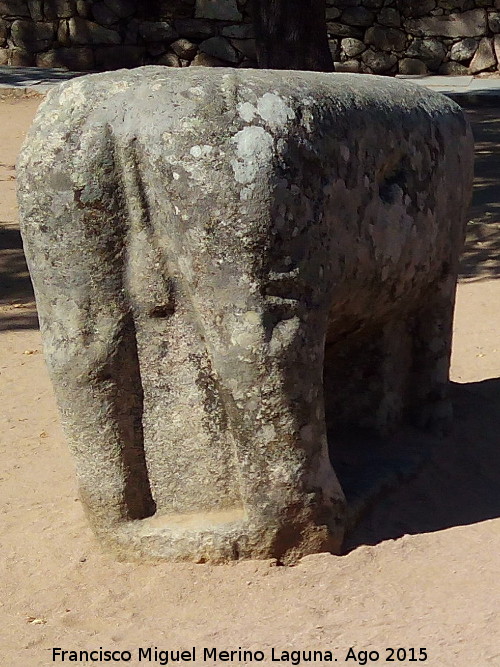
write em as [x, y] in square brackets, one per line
[225, 262]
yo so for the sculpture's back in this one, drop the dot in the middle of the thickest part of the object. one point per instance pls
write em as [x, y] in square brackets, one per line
[194, 237]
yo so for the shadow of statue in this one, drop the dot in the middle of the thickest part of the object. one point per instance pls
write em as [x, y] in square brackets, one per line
[454, 482]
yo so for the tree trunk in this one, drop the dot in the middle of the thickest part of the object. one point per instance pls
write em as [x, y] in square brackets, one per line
[292, 34]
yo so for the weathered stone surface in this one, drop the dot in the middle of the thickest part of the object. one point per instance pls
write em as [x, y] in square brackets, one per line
[417, 8]
[386, 39]
[429, 51]
[223, 10]
[412, 66]
[4, 56]
[219, 256]
[484, 58]
[341, 30]
[464, 49]
[466, 24]
[79, 59]
[219, 47]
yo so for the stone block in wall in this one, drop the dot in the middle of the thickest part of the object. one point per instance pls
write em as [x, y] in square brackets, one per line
[466, 24]
[184, 48]
[36, 9]
[334, 46]
[350, 66]
[83, 8]
[385, 39]
[412, 66]
[157, 31]
[220, 48]
[169, 60]
[122, 8]
[460, 5]
[62, 9]
[379, 61]
[416, 8]
[4, 57]
[32, 36]
[14, 8]
[430, 51]
[115, 57]
[358, 16]
[63, 33]
[484, 57]
[464, 49]
[494, 21]
[373, 4]
[175, 9]
[241, 31]
[19, 57]
[352, 47]
[453, 69]
[332, 13]
[341, 30]
[222, 10]
[206, 60]
[195, 29]
[3, 31]
[390, 17]
[85, 32]
[77, 59]
[245, 47]
[103, 14]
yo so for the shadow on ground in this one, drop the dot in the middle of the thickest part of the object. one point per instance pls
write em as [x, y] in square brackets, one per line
[481, 259]
[17, 302]
[456, 482]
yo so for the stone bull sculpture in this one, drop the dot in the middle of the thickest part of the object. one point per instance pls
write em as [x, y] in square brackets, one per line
[225, 262]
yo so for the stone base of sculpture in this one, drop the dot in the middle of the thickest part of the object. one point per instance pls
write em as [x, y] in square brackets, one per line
[226, 261]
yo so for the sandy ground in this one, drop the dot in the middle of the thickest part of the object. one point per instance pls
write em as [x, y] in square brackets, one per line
[422, 569]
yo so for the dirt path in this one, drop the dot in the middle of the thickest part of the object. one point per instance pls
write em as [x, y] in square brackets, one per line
[423, 569]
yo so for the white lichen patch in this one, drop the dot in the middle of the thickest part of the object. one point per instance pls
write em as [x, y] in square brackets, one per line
[254, 148]
[247, 111]
[274, 110]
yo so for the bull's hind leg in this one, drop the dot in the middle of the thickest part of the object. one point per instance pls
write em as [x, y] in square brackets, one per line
[366, 378]
[430, 404]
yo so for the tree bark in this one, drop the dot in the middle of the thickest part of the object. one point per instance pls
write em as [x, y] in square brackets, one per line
[292, 34]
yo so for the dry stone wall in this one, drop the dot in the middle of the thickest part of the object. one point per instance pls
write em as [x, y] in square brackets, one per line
[373, 36]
